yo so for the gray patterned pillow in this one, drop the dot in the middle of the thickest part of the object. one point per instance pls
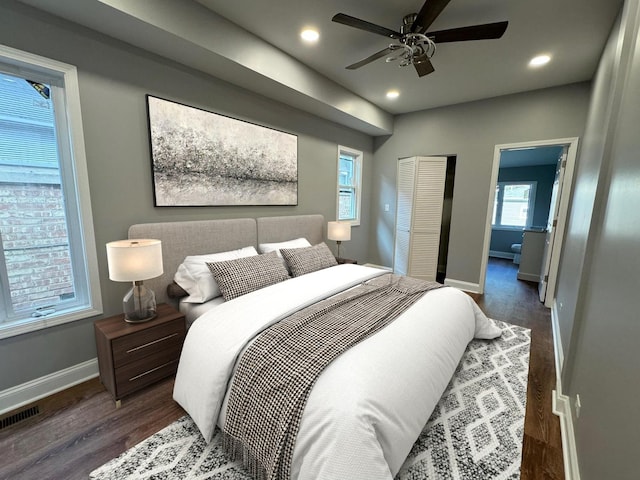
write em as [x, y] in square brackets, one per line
[244, 275]
[309, 259]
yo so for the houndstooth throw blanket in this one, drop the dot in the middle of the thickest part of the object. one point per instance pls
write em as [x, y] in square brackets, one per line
[275, 375]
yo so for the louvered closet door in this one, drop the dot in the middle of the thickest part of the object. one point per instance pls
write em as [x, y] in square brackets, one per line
[427, 217]
[404, 203]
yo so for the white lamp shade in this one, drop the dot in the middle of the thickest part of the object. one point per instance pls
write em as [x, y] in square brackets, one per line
[133, 260]
[340, 231]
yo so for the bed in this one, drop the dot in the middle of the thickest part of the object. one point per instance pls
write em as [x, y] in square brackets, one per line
[369, 404]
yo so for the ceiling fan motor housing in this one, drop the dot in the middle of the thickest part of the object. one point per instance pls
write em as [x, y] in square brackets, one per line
[407, 23]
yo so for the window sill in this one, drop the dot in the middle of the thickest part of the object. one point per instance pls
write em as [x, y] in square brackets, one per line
[354, 223]
[19, 327]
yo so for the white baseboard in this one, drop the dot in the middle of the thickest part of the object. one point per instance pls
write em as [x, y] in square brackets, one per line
[561, 404]
[15, 397]
[464, 286]
[557, 344]
[378, 266]
[498, 254]
[562, 408]
[530, 277]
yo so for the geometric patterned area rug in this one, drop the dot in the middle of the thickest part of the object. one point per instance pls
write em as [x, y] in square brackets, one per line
[475, 431]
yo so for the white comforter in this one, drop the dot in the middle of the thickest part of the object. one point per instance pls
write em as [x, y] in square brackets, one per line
[369, 405]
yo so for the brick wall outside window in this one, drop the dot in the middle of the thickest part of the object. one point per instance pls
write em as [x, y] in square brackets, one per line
[34, 238]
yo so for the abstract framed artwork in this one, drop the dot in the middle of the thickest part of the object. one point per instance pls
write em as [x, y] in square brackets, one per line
[201, 158]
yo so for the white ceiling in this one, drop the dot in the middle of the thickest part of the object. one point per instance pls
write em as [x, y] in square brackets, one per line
[277, 63]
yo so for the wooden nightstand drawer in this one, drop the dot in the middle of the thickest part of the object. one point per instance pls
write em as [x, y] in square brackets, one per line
[146, 342]
[133, 376]
[132, 356]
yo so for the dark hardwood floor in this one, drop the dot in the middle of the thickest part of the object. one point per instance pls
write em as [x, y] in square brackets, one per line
[79, 429]
[515, 301]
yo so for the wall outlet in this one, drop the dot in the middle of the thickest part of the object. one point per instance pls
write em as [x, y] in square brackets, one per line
[577, 406]
[386, 207]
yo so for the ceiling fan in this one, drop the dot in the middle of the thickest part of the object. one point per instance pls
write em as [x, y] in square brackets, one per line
[415, 46]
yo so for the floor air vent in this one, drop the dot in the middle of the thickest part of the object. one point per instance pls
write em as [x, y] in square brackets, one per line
[19, 417]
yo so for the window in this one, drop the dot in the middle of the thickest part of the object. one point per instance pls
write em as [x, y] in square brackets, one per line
[48, 264]
[513, 204]
[349, 185]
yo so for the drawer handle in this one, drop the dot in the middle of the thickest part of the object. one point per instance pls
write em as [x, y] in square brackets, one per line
[149, 371]
[151, 343]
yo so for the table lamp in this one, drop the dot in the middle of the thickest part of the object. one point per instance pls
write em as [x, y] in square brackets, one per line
[339, 231]
[136, 261]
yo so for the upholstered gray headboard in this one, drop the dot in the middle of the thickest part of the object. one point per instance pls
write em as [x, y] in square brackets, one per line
[180, 239]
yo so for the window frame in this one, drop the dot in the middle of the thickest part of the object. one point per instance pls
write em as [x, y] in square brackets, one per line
[75, 182]
[497, 211]
[357, 157]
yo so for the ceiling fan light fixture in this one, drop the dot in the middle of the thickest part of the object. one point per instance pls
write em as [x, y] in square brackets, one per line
[420, 58]
[310, 35]
[539, 60]
[404, 53]
[406, 61]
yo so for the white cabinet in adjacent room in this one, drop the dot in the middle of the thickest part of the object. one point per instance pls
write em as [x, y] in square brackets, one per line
[533, 243]
[420, 195]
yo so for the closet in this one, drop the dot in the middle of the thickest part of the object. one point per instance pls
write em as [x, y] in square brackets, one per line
[420, 195]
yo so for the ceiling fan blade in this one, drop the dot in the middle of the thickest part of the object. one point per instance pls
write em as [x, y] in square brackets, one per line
[424, 68]
[369, 59]
[486, 31]
[428, 13]
[364, 25]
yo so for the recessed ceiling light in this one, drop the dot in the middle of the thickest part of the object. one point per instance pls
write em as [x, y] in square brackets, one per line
[393, 94]
[539, 60]
[310, 35]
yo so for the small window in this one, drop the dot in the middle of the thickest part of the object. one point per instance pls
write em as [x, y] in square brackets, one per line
[349, 185]
[48, 264]
[513, 204]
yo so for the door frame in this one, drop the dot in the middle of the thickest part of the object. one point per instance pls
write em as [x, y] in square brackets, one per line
[554, 208]
[556, 249]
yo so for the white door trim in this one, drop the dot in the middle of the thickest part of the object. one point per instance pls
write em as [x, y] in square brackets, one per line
[572, 144]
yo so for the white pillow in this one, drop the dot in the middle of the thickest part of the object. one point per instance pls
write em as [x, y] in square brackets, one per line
[270, 247]
[195, 277]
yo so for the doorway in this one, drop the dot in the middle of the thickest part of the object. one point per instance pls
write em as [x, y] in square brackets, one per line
[551, 254]
[445, 229]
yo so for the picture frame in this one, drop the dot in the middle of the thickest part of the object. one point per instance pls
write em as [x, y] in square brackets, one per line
[202, 158]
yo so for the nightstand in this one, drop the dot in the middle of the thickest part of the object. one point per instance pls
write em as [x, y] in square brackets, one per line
[345, 260]
[134, 355]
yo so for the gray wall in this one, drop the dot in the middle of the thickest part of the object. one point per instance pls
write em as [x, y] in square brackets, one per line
[595, 147]
[544, 175]
[470, 131]
[599, 267]
[114, 79]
